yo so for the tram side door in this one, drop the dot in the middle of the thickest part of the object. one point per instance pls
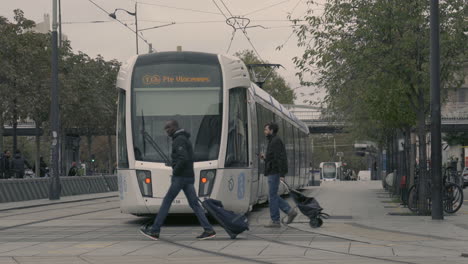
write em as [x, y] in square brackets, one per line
[253, 149]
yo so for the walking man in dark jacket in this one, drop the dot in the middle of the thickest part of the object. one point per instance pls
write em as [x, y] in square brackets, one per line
[276, 166]
[183, 178]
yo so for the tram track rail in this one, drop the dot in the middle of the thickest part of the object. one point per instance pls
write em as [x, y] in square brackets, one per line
[215, 253]
[352, 240]
[329, 251]
[276, 241]
[53, 209]
[56, 203]
[56, 218]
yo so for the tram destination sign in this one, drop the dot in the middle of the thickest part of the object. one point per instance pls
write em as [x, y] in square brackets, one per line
[177, 76]
[157, 79]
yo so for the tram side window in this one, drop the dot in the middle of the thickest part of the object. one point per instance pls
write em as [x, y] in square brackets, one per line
[261, 137]
[306, 155]
[237, 148]
[280, 123]
[263, 116]
[121, 128]
[309, 154]
[303, 154]
[297, 151]
[289, 142]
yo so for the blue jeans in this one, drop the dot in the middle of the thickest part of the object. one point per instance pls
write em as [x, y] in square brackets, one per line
[276, 202]
[178, 184]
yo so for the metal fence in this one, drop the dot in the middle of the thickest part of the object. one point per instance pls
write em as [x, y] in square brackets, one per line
[15, 190]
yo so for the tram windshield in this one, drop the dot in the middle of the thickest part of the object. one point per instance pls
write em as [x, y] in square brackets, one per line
[189, 93]
[329, 170]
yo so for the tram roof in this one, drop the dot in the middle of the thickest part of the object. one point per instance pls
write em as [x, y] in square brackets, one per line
[267, 98]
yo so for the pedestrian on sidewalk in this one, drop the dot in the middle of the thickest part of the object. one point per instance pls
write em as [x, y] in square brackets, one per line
[17, 165]
[5, 163]
[276, 166]
[73, 170]
[183, 178]
[42, 167]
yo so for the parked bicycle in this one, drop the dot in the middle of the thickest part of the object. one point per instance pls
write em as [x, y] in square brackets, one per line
[452, 195]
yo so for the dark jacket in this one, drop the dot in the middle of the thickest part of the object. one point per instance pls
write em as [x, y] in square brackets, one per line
[276, 160]
[182, 155]
[5, 163]
[17, 165]
[73, 171]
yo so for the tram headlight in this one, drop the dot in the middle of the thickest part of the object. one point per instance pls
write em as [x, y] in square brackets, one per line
[207, 178]
[145, 183]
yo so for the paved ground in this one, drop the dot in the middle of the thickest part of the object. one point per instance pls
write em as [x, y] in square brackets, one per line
[91, 229]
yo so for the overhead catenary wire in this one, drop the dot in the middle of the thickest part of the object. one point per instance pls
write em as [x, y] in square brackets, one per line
[87, 22]
[289, 37]
[129, 28]
[265, 8]
[296, 20]
[297, 4]
[220, 10]
[177, 22]
[178, 8]
[240, 26]
[232, 38]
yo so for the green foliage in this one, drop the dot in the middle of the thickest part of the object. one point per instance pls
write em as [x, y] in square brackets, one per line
[275, 85]
[15, 66]
[456, 138]
[372, 58]
[87, 94]
[88, 97]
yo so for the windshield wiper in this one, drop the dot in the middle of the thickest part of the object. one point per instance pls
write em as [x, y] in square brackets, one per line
[153, 143]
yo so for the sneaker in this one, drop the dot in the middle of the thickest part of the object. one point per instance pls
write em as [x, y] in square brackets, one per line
[292, 214]
[273, 224]
[207, 234]
[147, 232]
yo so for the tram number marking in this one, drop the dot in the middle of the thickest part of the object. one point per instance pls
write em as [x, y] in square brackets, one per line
[241, 186]
[231, 184]
[176, 202]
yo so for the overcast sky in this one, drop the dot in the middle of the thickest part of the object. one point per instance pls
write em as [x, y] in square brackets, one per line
[199, 26]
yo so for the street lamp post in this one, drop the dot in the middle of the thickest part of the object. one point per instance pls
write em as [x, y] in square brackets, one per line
[54, 186]
[150, 46]
[436, 148]
[135, 14]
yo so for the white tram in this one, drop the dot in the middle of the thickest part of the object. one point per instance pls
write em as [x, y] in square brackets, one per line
[212, 98]
[331, 171]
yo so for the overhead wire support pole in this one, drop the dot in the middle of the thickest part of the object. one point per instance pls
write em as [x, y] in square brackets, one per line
[125, 25]
[436, 142]
[60, 22]
[54, 183]
[136, 27]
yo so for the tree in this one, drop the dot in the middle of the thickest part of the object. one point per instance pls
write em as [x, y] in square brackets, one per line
[372, 58]
[456, 138]
[14, 75]
[38, 91]
[88, 99]
[87, 85]
[275, 85]
[108, 108]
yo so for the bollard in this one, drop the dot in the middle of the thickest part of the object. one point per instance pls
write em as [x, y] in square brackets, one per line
[404, 191]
